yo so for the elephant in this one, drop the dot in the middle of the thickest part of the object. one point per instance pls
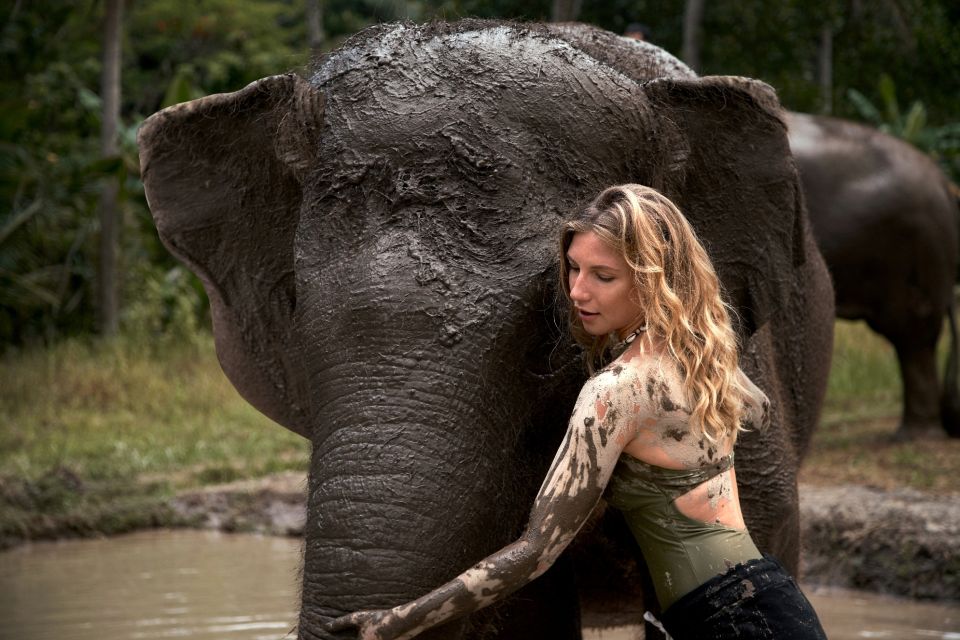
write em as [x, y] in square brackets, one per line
[378, 244]
[886, 221]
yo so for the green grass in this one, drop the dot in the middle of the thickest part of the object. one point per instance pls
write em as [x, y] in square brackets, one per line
[864, 377]
[95, 432]
[120, 410]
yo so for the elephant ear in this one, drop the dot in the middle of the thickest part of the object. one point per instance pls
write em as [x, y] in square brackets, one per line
[223, 178]
[732, 174]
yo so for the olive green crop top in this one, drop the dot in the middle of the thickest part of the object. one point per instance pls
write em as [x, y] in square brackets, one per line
[681, 552]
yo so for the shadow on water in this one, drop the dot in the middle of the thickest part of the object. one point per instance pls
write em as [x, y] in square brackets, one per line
[199, 584]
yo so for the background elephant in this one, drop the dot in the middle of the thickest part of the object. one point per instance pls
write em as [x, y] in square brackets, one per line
[378, 247]
[887, 223]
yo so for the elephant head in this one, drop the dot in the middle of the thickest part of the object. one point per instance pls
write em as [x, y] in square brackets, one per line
[378, 246]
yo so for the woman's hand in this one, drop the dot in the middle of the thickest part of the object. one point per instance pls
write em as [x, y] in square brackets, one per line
[368, 624]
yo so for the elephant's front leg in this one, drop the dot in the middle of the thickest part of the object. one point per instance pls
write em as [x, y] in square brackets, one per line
[921, 398]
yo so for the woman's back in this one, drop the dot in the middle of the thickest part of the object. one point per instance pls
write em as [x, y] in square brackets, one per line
[677, 488]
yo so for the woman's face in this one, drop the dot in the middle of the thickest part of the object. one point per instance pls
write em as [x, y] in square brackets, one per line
[601, 286]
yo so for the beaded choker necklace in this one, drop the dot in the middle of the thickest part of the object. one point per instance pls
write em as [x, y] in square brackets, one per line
[623, 344]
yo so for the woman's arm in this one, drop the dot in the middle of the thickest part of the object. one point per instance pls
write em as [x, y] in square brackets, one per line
[597, 433]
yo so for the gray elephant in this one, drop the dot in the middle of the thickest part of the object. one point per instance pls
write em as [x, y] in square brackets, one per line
[887, 222]
[378, 246]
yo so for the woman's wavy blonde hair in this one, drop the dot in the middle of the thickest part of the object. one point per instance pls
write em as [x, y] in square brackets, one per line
[679, 293]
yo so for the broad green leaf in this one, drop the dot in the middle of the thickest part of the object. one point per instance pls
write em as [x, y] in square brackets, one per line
[914, 123]
[864, 106]
[888, 93]
[182, 88]
[89, 100]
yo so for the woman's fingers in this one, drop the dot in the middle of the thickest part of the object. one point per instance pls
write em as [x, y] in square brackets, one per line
[364, 621]
[344, 622]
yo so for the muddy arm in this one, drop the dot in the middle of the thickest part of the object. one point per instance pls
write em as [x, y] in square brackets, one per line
[572, 488]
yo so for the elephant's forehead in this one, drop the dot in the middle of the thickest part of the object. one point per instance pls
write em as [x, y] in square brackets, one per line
[409, 51]
[402, 87]
[488, 107]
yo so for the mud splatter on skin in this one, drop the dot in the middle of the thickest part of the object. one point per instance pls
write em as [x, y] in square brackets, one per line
[651, 387]
[675, 433]
[667, 403]
[709, 452]
[719, 493]
[659, 393]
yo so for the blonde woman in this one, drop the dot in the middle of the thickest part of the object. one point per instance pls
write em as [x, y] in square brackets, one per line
[653, 431]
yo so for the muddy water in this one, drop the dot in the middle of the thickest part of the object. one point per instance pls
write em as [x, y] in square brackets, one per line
[190, 584]
[157, 584]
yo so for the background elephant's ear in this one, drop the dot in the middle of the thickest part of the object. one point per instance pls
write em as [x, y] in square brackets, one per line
[731, 172]
[223, 179]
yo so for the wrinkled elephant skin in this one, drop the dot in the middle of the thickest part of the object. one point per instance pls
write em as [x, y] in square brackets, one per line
[378, 246]
[887, 224]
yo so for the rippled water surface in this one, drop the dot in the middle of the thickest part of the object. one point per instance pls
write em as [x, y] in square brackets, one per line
[157, 584]
[195, 584]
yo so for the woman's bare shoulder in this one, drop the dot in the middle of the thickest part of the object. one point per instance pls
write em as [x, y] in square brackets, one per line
[625, 373]
[643, 386]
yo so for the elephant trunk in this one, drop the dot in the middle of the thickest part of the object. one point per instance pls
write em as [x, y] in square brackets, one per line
[398, 507]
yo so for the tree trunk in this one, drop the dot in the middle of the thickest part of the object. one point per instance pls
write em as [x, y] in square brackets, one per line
[692, 22]
[565, 10]
[110, 92]
[315, 25]
[825, 69]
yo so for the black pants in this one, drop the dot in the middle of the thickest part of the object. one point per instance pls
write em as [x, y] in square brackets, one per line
[756, 600]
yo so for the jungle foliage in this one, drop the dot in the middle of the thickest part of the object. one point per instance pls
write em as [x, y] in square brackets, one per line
[942, 143]
[176, 50]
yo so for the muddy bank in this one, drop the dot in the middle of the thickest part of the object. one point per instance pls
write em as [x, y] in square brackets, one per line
[900, 542]
[274, 505]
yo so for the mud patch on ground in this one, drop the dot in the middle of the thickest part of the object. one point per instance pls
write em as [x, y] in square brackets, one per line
[902, 542]
[275, 505]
